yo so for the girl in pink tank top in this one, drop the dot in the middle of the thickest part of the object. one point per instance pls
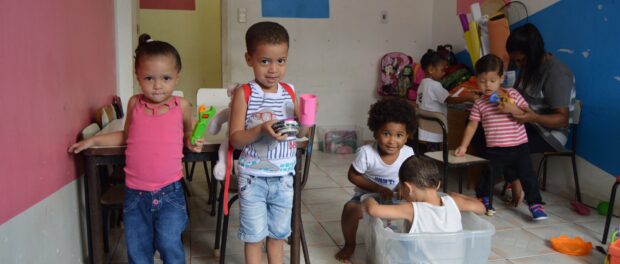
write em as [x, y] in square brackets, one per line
[157, 126]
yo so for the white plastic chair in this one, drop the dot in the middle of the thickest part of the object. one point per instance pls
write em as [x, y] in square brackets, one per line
[217, 97]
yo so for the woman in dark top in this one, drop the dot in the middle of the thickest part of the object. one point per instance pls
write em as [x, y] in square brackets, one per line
[547, 85]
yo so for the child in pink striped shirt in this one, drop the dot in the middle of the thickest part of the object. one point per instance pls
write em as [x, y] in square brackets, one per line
[506, 140]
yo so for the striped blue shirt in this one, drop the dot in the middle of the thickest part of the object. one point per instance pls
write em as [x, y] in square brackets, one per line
[268, 157]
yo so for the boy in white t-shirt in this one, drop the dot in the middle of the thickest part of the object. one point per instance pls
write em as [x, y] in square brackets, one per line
[375, 168]
[433, 97]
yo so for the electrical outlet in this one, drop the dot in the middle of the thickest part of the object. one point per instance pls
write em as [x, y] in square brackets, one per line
[384, 17]
[242, 15]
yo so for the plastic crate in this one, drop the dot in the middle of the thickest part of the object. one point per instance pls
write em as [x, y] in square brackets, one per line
[339, 139]
[392, 245]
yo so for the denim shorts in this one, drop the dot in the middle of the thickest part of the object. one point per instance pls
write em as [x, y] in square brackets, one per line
[154, 221]
[265, 206]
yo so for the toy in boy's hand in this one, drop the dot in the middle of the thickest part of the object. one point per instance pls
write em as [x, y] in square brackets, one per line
[500, 97]
[288, 126]
[204, 116]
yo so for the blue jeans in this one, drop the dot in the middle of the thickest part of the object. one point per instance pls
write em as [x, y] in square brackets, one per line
[265, 206]
[155, 221]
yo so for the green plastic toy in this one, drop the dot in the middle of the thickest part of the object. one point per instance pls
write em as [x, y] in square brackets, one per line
[602, 208]
[204, 117]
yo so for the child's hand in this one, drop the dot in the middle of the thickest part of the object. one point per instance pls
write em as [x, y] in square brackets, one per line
[81, 145]
[386, 194]
[267, 129]
[197, 146]
[509, 108]
[460, 151]
[526, 115]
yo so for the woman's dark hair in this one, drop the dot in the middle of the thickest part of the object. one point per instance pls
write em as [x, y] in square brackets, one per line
[420, 171]
[265, 32]
[526, 39]
[150, 47]
[490, 63]
[391, 110]
[431, 58]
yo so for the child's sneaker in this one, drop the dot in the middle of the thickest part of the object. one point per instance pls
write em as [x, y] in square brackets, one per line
[487, 205]
[538, 212]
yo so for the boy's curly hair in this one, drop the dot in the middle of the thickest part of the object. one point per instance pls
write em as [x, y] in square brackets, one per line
[391, 110]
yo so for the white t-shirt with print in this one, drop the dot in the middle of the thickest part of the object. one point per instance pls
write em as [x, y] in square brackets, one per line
[431, 97]
[368, 162]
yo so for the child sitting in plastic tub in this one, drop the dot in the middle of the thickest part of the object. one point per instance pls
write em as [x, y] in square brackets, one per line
[376, 165]
[425, 209]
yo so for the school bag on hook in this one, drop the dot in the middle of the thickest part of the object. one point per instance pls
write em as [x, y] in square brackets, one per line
[397, 71]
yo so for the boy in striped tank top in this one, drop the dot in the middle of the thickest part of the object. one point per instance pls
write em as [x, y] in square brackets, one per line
[506, 140]
[267, 161]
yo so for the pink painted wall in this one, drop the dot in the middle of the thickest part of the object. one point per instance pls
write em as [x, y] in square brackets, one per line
[57, 65]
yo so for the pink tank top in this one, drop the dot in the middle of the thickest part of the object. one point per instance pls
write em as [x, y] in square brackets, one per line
[154, 147]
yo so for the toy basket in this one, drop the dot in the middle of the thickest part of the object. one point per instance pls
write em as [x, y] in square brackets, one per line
[339, 139]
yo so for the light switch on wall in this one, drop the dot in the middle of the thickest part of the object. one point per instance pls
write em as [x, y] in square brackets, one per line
[242, 15]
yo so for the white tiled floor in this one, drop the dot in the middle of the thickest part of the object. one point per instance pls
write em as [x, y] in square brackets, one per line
[517, 238]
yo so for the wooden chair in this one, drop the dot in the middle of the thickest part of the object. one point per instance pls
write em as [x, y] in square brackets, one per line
[118, 107]
[217, 97]
[105, 115]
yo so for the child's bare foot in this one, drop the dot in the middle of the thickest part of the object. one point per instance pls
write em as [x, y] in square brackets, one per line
[517, 193]
[344, 255]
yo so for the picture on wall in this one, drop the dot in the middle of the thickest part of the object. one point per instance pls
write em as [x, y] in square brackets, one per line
[168, 4]
[295, 8]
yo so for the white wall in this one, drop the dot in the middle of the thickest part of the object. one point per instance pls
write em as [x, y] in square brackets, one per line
[52, 231]
[335, 58]
[595, 183]
[125, 25]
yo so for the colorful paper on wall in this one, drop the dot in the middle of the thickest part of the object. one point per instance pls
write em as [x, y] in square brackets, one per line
[490, 7]
[463, 6]
[167, 4]
[295, 8]
[476, 13]
[484, 36]
[473, 42]
[498, 35]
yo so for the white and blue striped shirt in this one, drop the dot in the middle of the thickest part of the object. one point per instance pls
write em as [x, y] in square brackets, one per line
[268, 157]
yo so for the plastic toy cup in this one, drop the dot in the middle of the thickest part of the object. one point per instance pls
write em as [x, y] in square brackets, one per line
[307, 105]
